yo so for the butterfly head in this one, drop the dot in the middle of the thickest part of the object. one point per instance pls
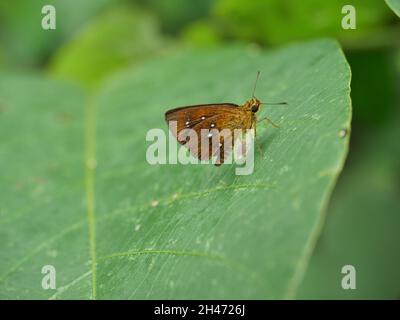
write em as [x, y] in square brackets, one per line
[253, 105]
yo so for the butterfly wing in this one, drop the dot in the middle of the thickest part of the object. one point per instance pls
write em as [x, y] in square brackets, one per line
[219, 119]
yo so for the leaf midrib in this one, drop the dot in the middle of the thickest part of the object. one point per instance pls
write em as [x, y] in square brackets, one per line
[90, 169]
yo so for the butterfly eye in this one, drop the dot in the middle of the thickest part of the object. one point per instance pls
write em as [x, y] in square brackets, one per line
[254, 108]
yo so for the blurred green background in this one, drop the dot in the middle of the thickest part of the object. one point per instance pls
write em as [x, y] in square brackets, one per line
[96, 38]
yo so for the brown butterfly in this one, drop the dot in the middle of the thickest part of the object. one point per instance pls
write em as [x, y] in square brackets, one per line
[215, 117]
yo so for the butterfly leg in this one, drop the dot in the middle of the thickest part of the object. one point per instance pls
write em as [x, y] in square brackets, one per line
[259, 149]
[220, 153]
[270, 121]
[256, 142]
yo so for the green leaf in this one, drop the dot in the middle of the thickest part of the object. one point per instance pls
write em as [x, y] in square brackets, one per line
[176, 14]
[394, 5]
[172, 231]
[277, 22]
[22, 36]
[362, 228]
[117, 38]
[201, 34]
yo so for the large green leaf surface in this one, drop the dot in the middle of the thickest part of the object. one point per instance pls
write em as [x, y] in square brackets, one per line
[79, 194]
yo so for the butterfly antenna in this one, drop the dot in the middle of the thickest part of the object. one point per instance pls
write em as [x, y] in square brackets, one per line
[255, 83]
[274, 103]
[268, 103]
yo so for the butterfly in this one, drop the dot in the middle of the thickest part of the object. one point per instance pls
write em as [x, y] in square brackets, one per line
[217, 118]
